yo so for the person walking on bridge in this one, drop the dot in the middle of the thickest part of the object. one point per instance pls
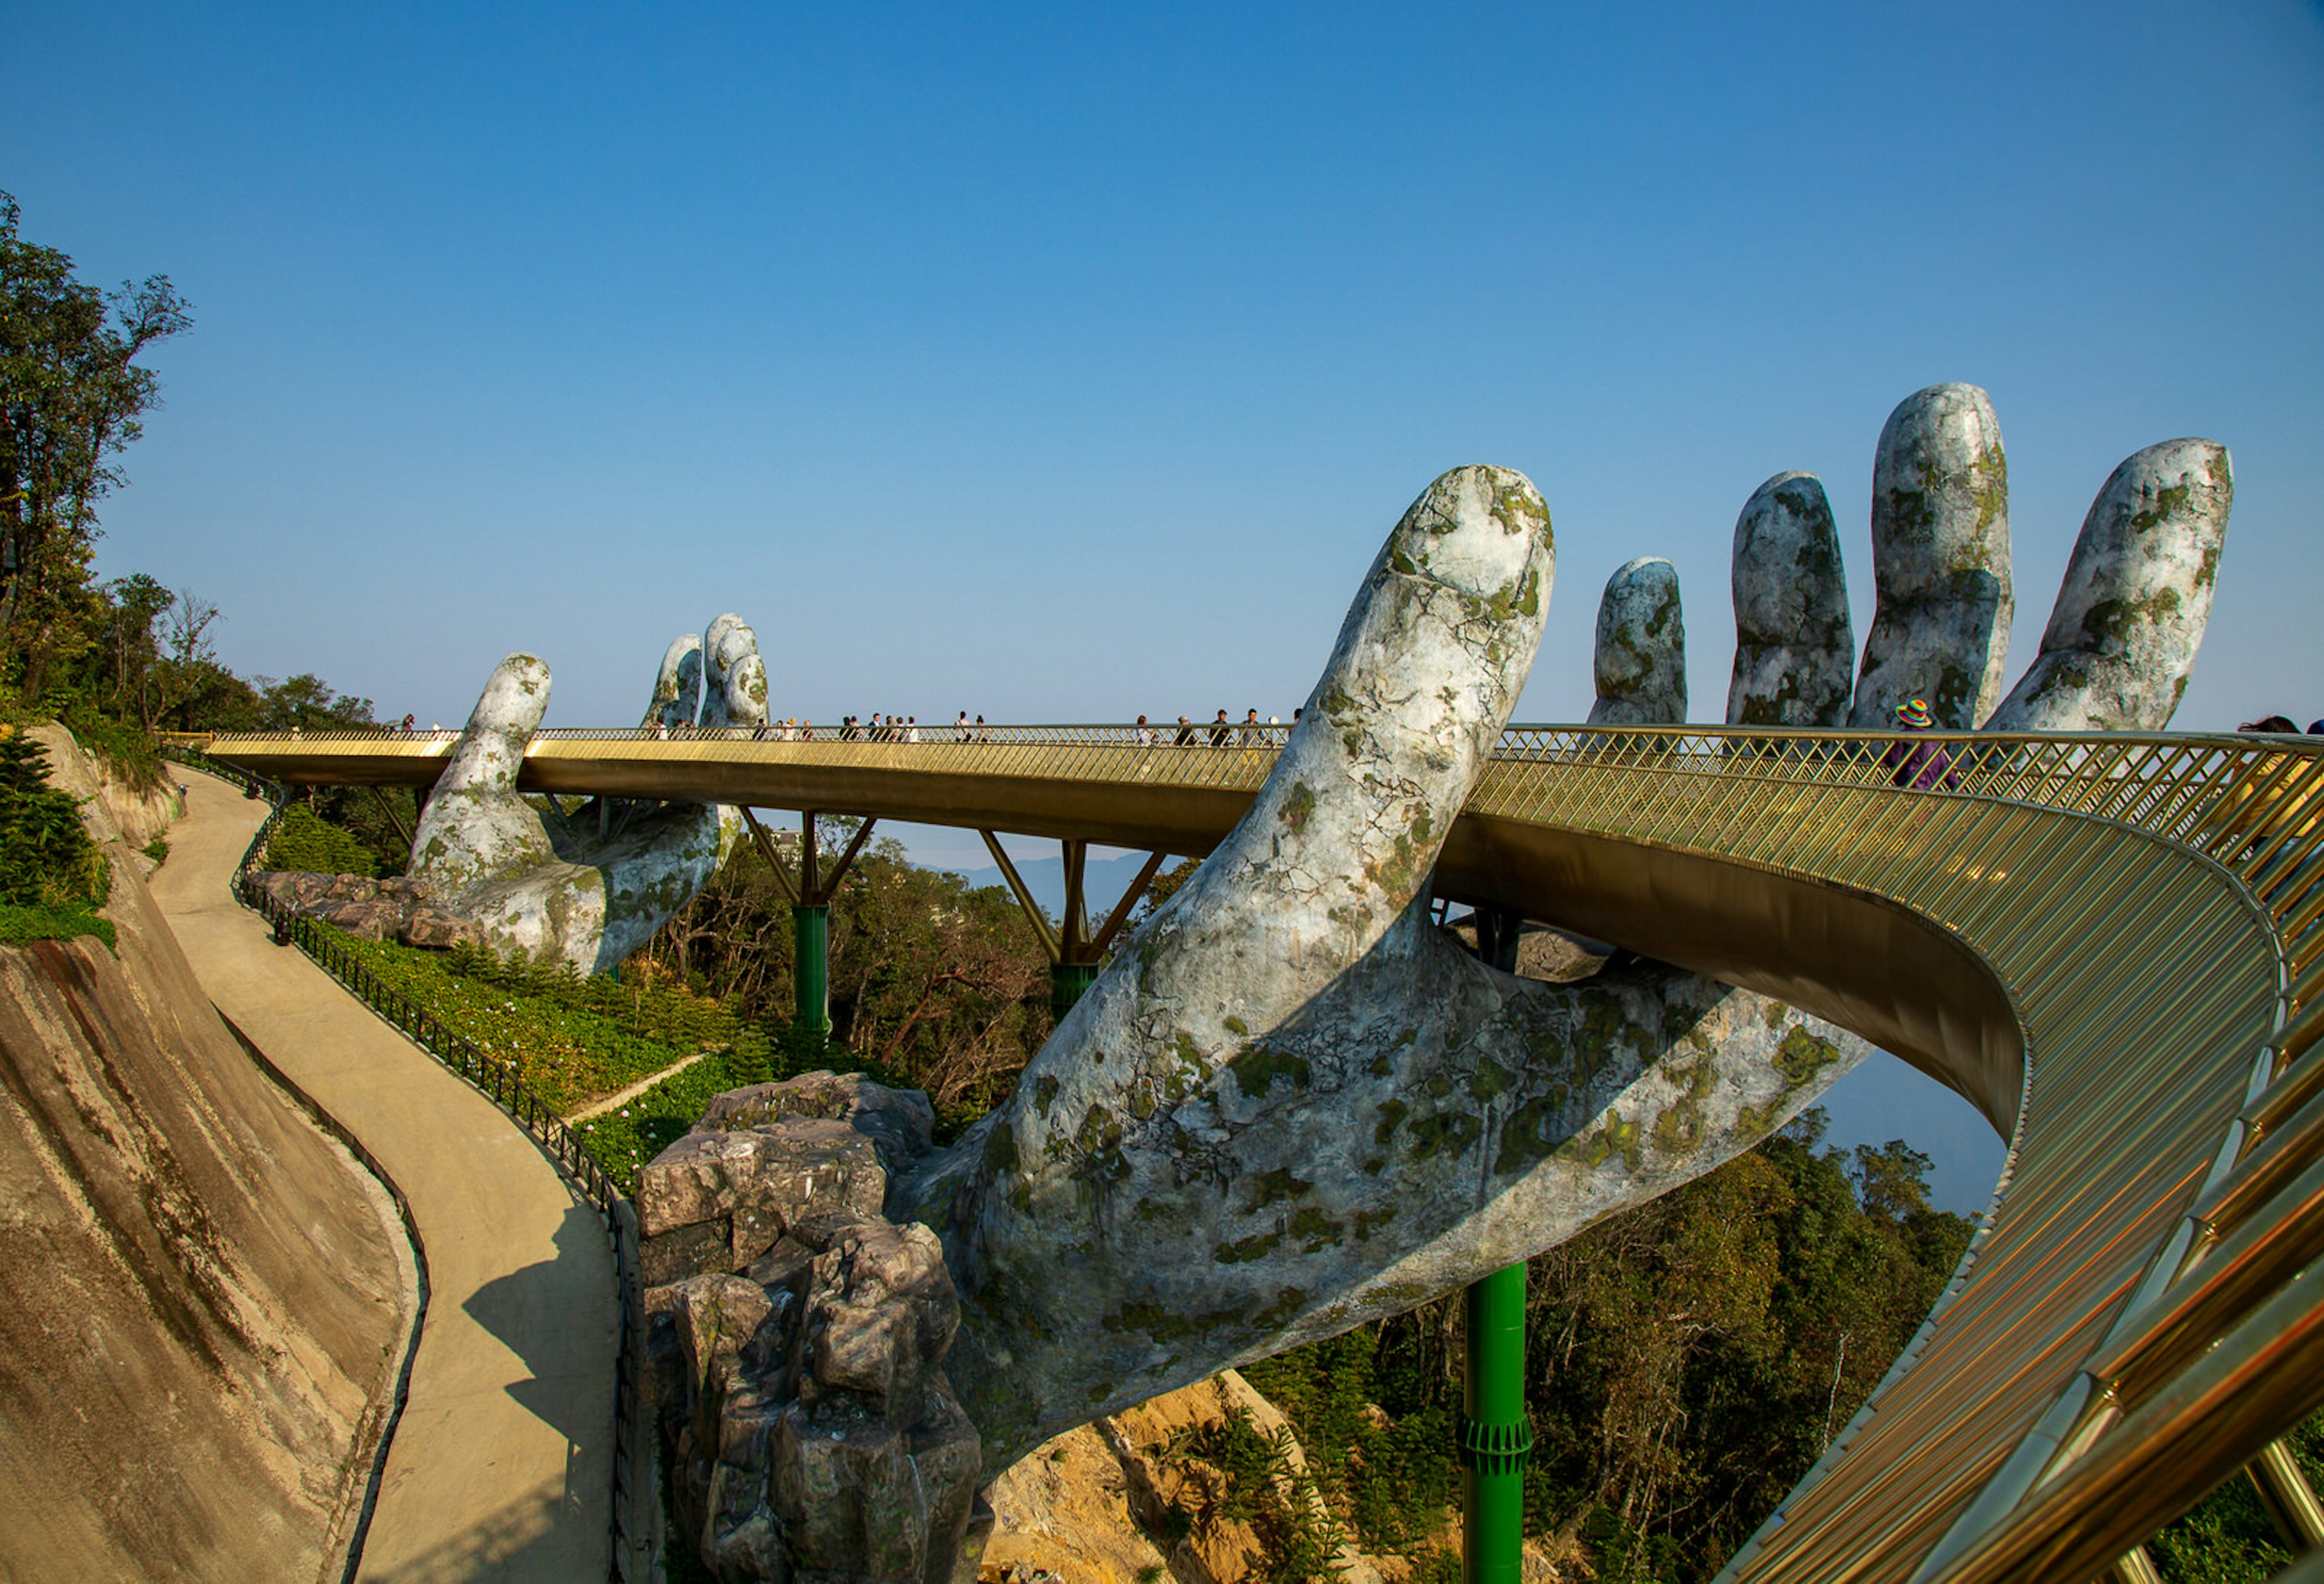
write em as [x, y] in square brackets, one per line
[1919, 766]
[1220, 732]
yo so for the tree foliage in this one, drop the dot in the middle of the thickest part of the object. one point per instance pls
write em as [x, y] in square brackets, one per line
[933, 984]
[1686, 1362]
[52, 878]
[71, 397]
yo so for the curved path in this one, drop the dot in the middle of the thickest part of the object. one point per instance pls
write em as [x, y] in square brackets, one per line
[2112, 944]
[501, 1465]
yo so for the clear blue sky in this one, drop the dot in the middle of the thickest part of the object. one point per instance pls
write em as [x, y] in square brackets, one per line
[1060, 363]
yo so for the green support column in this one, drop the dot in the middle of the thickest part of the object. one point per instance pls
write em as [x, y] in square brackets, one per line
[811, 965]
[1067, 980]
[1494, 1434]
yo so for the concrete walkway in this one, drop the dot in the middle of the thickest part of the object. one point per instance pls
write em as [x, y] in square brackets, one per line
[502, 1468]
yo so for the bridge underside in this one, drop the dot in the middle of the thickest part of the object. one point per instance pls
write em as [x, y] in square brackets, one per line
[2118, 936]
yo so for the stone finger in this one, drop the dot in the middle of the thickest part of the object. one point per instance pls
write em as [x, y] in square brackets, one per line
[476, 826]
[1342, 835]
[1340, 841]
[1794, 645]
[2136, 598]
[735, 678]
[1939, 562]
[678, 686]
[1640, 659]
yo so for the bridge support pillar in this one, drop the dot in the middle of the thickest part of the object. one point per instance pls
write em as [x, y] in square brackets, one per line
[1495, 1435]
[811, 966]
[1076, 951]
[1067, 980]
[810, 891]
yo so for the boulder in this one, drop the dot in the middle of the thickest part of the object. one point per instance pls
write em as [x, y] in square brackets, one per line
[898, 1121]
[432, 926]
[370, 919]
[395, 908]
[795, 1340]
[755, 1181]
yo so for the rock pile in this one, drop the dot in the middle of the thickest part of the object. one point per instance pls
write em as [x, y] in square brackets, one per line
[372, 910]
[796, 1340]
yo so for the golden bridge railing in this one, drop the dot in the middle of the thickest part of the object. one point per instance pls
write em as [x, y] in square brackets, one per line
[2134, 1319]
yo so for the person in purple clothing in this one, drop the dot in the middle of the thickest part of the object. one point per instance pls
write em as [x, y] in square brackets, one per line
[1919, 766]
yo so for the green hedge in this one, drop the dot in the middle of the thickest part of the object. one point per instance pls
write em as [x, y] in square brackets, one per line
[314, 846]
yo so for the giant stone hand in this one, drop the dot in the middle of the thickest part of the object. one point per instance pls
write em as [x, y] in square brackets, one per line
[1292, 1104]
[590, 887]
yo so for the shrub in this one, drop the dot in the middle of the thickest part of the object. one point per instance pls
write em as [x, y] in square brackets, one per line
[52, 878]
[304, 843]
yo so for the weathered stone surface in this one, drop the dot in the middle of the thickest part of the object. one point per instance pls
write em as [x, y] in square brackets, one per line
[879, 1303]
[432, 926]
[686, 1251]
[2136, 599]
[201, 1300]
[1794, 644]
[1939, 562]
[591, 888]
[112, 807]
[1640, 659]
[298, 892]
[815, 1433]
[376, 919]
[898, 1121]
[757, 1174]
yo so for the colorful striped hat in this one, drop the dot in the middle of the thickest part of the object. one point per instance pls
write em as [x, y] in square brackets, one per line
[1914, 713]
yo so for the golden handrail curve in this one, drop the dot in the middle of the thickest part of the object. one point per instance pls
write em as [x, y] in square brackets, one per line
[2112, 944]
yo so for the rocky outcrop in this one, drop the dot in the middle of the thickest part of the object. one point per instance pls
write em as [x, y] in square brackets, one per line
[796, 1340]
[394, 909]
[203, 1301]
[113, 809]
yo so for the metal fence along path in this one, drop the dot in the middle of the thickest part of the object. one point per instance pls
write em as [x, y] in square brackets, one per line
[500, 1081]
[2112, 944]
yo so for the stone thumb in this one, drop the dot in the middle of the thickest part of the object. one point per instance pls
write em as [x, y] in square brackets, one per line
[491, 750]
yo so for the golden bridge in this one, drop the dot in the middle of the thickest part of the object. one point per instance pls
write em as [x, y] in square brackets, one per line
[2113, 945]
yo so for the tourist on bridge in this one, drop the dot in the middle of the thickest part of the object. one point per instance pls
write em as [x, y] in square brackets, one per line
[959, 724]
[1919, 766]
[1145, 734]
[1220, 732]
[1186, 737]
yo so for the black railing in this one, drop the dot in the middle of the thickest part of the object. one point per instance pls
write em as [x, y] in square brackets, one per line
[498, 1079]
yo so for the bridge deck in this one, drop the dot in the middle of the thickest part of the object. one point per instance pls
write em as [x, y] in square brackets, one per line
[2113, 945]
